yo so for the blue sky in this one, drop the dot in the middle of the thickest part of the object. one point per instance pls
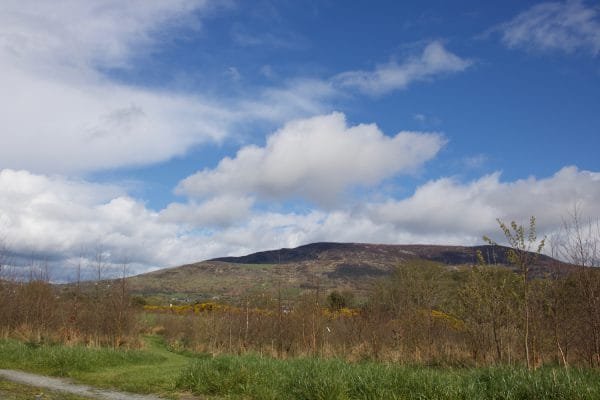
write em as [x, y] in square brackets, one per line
[169, 132]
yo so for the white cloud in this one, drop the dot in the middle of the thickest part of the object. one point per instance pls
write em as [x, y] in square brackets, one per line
[58, 220]
[59, 217]
[298, 97]
[52, 218]
[83, 34]
[568, 26]
[218, 211]
[435, 60]
[51, 126]
[61, 113]
[447, 206]
[316, 158]
[443, 211]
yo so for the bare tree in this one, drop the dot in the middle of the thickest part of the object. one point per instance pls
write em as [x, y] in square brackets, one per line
[523, 252]
[580, 245]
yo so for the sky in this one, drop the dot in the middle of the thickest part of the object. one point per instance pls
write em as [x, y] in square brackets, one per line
[157, 133]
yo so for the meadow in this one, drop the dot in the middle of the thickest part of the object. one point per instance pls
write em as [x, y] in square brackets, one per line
[156, 369]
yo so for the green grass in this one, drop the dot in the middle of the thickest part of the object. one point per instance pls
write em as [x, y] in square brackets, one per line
[60, 360]
[157, 370]
[251, 377]
[152, 370]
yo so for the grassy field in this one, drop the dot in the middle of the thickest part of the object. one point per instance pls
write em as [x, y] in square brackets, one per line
[151, 370]
[315, 379]
[157, 370]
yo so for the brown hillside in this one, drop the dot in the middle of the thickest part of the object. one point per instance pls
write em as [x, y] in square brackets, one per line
[328, 266]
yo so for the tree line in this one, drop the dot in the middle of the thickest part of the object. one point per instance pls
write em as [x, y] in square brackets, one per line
[424, 313]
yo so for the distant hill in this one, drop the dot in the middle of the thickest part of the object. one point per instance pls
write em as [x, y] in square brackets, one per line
[342, 266]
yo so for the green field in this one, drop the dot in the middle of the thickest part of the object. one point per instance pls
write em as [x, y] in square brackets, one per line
[152, 370]
[155, 369]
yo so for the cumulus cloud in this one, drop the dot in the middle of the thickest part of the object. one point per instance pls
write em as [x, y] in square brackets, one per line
[435, 60]
[443, 211]
[315, 158]
[470, 209]
[219, 211]
[65, 223]
[55, 219]
[64, 113]
[569, 26]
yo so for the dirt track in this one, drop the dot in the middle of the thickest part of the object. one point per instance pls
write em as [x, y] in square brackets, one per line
[63, 385]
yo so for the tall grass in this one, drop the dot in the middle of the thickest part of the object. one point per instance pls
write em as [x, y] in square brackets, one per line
[257, 377]
[61, 360]
[253, 377]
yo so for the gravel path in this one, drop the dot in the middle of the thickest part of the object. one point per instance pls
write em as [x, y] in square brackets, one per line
[63, 385]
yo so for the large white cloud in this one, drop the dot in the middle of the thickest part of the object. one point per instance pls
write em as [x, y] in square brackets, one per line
[443, 211]
[65, 222]
[567, 26]
[62, 113]
[52, 218]
[52, 126]
[435, 60]
[316, 158]
[447, 206]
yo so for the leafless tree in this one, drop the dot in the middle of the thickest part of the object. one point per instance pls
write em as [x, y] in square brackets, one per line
[523, 252]
[580, 245]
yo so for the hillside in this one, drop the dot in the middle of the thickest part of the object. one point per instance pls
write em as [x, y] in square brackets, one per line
[328, 266]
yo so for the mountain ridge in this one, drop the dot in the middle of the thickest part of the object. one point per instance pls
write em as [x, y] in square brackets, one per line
[445, 254]
[328, 265]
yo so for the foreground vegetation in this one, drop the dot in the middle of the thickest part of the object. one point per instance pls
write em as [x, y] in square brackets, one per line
[15, 391]
[307, 378]
[424, 314]
[157, 370]
[151, 370]
[426, 332]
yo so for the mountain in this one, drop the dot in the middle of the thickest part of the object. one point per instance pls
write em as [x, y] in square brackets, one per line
[328, 266]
